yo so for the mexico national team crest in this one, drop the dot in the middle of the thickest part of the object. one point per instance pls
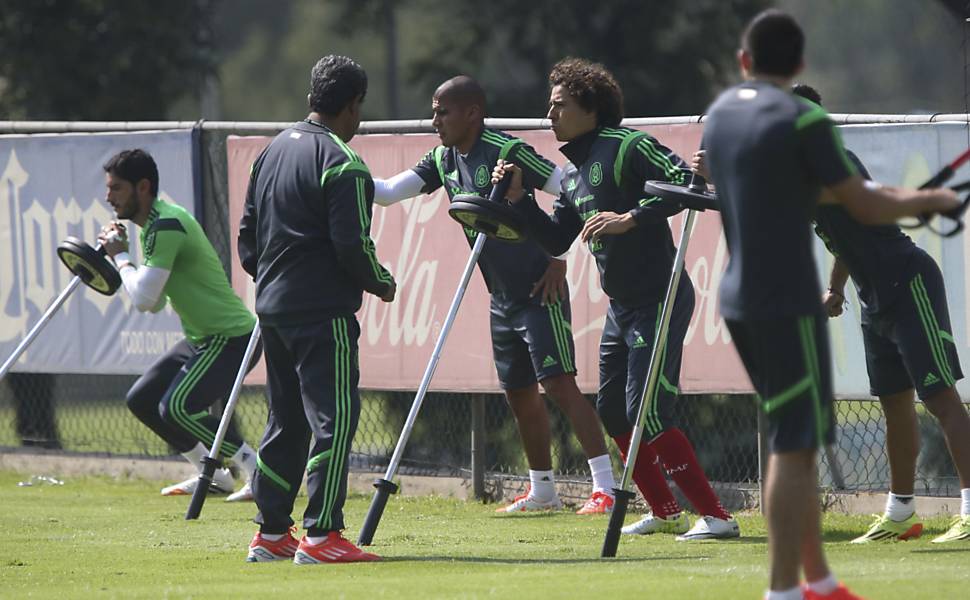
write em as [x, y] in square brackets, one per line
[481, 176]
[596, 174]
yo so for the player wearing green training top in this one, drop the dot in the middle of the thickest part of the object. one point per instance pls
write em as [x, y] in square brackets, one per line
[180, 266]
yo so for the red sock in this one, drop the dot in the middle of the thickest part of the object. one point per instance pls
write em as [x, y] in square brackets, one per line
[649, 478]
[680, 461]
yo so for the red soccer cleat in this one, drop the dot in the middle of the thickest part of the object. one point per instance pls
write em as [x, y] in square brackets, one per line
[840, 593]
[334, 549]
[600, 503]
[263, 550]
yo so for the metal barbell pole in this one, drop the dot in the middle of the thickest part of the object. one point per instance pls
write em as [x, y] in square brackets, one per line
[211, 462]
[36, 329]
[385, 486]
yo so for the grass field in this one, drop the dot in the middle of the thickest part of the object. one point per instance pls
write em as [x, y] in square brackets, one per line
[97, 537]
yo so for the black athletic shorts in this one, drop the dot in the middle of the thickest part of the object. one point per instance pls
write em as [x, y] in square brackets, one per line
[788, 361]
[531, 342]
[910, 344]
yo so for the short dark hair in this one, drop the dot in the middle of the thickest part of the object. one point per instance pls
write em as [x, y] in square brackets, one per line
[462, 89]
[808, 92]
[334, 83]
[593, 87]
[776, 43]
[133, 166]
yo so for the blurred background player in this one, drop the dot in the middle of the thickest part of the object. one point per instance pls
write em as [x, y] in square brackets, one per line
[180, 266]
[530, 318]
[602, 201]
[305, 238]
[770, 155]
[909, 344]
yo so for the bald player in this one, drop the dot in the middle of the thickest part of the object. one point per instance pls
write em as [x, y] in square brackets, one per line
[532, 339]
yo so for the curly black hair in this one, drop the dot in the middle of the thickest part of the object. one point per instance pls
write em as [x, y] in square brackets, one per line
[334, 83]
[593, 87]
[808, 92]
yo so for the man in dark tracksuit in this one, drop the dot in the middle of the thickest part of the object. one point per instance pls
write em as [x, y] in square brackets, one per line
[602, 201]
[305, 237]
[770, 156]
[909, 344]
[532, 338]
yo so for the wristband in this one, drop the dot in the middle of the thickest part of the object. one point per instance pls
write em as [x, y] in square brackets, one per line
[122, 260]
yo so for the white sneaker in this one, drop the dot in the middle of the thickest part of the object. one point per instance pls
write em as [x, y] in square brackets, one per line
[711, 528]
[528, 502]
[222, 483]
[650, 524]
[245, 493]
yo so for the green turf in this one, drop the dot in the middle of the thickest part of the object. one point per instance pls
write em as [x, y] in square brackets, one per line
[105, 538]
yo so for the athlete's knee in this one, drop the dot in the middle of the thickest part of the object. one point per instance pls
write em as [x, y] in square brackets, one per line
[141, 403]
[614, 421]
[562, 388]
[946, 405]
[166, 410]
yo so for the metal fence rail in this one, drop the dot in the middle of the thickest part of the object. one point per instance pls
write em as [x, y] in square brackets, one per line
[469, 435]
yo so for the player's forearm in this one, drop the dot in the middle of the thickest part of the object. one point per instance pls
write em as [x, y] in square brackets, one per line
[359, 260]
[550, 234]
[873, 204]
[402, 186]
[144, 285]
[838, 277]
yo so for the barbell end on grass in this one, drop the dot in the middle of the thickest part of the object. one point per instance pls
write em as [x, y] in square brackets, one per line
[622, 500]
[384, 489]
[209, 466]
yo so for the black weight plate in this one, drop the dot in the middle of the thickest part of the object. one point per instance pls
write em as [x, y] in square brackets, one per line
[94, 269]
[678, 193]
[497, 221]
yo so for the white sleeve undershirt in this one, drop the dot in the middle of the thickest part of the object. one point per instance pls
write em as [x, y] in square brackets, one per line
[143, 284]
[402, 186]
[408, 184]
[552, 185]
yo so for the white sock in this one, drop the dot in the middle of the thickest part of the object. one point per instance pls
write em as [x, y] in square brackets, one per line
[195, 456]
[543, 485]
[900, 507]
[314, 540]
[965, 502]
[272, 537]
[794, 593]
[602, 470]
[245, 459]
[824, 586]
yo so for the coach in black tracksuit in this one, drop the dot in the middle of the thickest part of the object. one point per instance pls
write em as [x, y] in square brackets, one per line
[305, 237]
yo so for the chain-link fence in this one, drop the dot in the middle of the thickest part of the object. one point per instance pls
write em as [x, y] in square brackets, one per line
[87, 414]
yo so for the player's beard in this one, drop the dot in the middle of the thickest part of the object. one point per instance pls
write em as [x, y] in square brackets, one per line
[127, 209]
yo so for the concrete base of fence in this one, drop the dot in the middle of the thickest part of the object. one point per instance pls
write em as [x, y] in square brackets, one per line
[64, 466]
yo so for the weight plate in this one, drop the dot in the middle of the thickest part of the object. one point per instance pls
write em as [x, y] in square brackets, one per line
[94, 269]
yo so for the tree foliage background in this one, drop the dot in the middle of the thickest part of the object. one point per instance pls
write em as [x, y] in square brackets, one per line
[102, 60]
[250, 59]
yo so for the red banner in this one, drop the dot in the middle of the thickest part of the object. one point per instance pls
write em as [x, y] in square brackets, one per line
[426, 251]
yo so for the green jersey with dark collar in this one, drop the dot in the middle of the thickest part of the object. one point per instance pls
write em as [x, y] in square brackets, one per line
[606, 173]
[197, 285]
[510, 269]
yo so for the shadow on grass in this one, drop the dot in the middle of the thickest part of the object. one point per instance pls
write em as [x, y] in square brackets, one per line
[939, 550]
[535, 561]
[547, 514]
[839, 535]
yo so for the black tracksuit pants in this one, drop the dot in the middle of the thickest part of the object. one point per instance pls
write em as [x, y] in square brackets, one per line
[311, 377]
